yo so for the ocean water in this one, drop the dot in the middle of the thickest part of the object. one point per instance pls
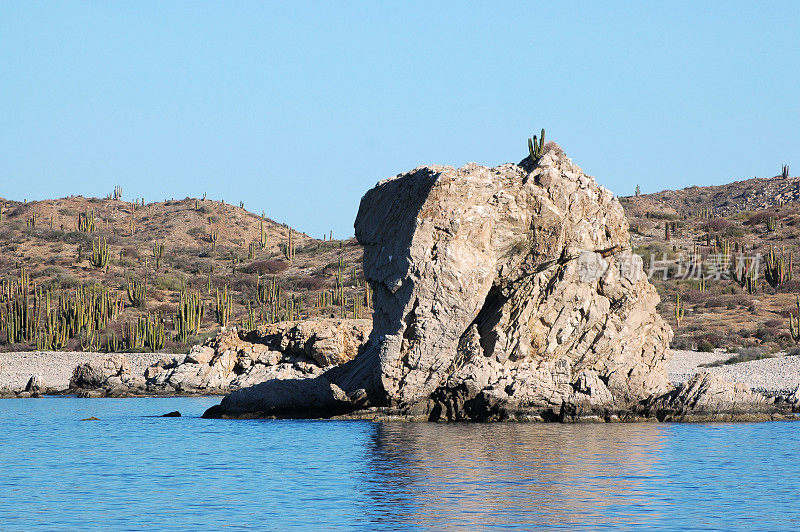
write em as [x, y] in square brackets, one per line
[132, 470]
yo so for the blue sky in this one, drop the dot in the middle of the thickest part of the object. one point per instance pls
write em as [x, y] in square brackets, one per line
[297, 108]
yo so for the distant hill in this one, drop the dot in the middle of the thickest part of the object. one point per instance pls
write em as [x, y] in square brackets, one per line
[726, 223]
[44, 239]
[205, 244]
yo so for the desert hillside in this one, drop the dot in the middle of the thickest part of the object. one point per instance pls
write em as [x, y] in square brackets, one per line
[91, 255]
[112, 273]
[707, 240]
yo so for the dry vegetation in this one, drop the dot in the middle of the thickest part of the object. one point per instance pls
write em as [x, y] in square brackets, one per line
[85, 252]
[722, 224]
[212, 247]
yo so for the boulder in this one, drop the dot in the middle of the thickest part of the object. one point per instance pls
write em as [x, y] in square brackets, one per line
[35, 384]
[492, 288]
[97, 372]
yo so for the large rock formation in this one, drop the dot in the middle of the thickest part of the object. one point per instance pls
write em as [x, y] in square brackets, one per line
[507, 292]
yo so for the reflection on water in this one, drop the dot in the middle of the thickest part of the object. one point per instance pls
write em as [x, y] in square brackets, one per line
[451, 476]
[132, 470]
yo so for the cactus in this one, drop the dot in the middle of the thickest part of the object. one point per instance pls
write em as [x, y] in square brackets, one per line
[137, 291]
[785, 171]
[100, 253]
[117, 192]
[638, 191]
[680, 310]
[666, 232]
[158, 252]
[288, 248]
[262, 238]
[794, 322]
[771, 224]
[31, 221]
[777, 269]
[535, 148]
[367, 295]
[188, 316]
[213, 236]
[223, 306]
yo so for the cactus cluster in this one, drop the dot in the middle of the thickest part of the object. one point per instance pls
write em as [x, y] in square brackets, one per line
[136, 290]
[49, 318]
[223, 306]
[87, 222]
[100, 254]
[777, 268]
[189, 315]
[536, 148]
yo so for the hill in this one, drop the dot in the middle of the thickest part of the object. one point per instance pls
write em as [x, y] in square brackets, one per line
[699, 236]
[198, 247]
[695, 237]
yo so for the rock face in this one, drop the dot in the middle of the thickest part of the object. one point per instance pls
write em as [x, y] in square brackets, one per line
[507, 292]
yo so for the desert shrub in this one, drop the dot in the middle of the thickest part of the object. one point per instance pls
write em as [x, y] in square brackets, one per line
[64, 211]
[743, 354]
[169, 282]
[759, 217]
[717, 225]
[768, 334]
[705, 347]
[263, 267]
[773, 324]
[657, 215]
[197, 232]
[313, 283]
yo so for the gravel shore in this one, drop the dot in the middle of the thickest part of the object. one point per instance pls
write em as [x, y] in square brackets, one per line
[56, 367]
[780, 374]
[777, 375]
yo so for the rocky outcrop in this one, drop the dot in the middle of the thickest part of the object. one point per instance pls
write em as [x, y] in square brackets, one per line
[499, 293]
[111, 372]
[231, 360]
[285, 350]
[707, 397]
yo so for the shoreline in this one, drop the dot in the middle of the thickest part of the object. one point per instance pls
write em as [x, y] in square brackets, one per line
[774, 376]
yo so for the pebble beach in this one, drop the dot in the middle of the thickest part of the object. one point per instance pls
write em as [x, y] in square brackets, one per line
[777, 375]
[56, 367]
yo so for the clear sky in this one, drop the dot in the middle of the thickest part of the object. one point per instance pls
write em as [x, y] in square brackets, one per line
[297, 108]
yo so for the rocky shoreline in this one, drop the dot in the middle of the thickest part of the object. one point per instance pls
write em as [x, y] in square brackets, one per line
[770, 381]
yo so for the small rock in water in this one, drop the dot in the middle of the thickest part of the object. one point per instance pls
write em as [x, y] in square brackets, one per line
[172, 414]
[91, 419]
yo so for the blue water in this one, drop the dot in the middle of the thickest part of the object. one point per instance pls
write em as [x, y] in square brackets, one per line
[130, 471]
